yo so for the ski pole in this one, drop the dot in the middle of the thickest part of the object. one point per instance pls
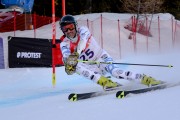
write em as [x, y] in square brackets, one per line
[96, 62]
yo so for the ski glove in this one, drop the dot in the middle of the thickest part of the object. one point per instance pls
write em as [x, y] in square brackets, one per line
[71, 63]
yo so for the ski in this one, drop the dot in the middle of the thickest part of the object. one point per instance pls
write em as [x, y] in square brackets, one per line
[105, 91]
[123, 93]
[81, 96]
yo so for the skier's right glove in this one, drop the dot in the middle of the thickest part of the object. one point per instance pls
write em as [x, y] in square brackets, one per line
[70, 63]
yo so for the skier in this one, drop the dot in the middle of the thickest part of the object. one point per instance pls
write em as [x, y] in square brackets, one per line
[79, 48]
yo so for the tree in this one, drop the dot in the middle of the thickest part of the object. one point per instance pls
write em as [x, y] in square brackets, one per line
[142, 6]
[172, 7]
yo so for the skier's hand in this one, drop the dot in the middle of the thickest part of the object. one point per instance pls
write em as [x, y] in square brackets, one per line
[71, 63]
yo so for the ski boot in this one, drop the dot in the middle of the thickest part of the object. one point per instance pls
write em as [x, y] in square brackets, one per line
[107, 84]
[149, 81]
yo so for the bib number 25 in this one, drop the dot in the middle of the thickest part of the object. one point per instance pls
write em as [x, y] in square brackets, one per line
[87, 55]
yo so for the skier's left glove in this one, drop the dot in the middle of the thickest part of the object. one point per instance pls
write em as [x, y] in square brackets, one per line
[71, 63]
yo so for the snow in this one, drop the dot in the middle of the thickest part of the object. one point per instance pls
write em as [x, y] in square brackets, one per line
[27, 93]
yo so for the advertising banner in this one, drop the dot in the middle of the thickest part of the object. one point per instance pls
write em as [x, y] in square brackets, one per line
[30, 52]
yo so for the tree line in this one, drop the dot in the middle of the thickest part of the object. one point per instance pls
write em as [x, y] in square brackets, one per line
[76, 7]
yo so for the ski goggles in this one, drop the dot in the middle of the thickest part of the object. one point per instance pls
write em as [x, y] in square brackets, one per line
[68, 27]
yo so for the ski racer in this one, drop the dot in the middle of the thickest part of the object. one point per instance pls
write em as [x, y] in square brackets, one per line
[79, 48]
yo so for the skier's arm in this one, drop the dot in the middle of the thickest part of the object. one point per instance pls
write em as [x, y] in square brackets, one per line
[69, 60]
[65, 51]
